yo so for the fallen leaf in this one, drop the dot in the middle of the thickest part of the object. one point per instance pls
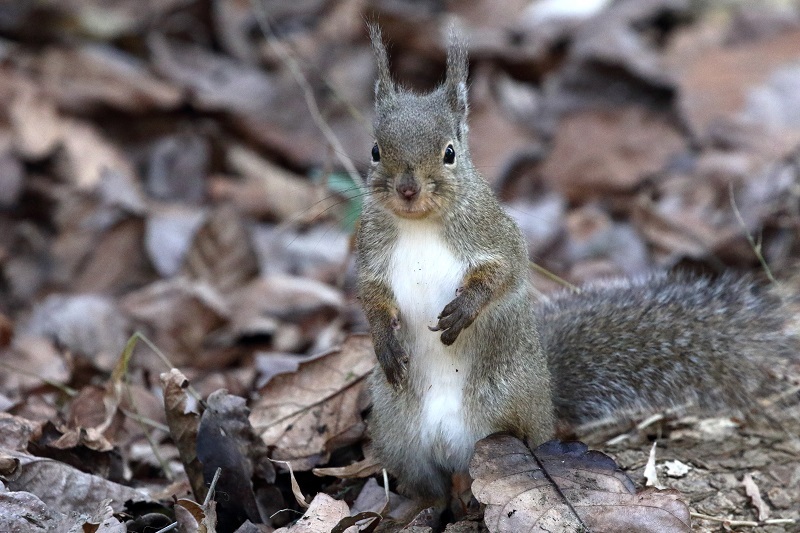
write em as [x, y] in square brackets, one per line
[274, 192]
[562, 486]
[178, 167]
[714, 82]
[221, 253]
[181, 312]
[169, 233]
[676, 468]
[23, 511]
[15, 431]
[67, 489]
[183, 421]
[300, 413]
[322, 516]
[650, 473]
[89, 325]
[609, 151]
[226, 440]
[754, 494]
[90, 76]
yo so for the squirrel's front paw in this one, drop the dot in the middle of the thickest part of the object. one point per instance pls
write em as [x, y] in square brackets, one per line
[455, 317]
[394, 362]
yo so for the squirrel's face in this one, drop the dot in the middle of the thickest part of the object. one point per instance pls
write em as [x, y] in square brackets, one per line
[417, 156]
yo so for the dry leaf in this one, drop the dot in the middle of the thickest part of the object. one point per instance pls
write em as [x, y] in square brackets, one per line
[609, 151]
[67, 489]
[360, 469]
[183, 421]
[169, 232]
[24, 512]
[714, 82]
[89, 325]
[16, 432]
[221, 253]
[754, 493]
[226, 440]
[322, 516]
[181, 312]
[520, 496]
[177, 168]
[195, 518]
[36, 124]
[676, 468]
[92, 76]
[269, 190]
[32, 360]
[650, 473]
[300, 413]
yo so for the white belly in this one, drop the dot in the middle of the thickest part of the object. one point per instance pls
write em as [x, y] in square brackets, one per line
[424, 276]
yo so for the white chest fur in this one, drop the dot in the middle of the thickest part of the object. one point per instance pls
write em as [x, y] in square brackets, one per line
[424, 276]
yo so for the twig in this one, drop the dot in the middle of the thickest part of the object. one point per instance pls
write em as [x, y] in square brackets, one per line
[551, 276]
[756, 246]
[213, 486]
[170, 527]
[308, 94]
[69, 391]
[743, 523]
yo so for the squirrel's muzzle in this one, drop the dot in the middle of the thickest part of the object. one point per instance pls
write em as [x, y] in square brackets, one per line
[407, 187]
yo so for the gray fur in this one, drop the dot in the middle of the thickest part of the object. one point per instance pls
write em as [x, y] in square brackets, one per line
[620, 346]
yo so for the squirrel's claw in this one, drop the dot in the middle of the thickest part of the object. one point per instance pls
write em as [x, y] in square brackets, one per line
[454, 318]
[394, 362]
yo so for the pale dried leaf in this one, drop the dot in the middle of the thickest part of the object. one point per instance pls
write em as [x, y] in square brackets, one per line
[93, 75]
[609, 151]
[299, 497]
[322, 516]
[67, 489]
[183, 421]
[15, 431]
[519, 496]
[169, 232]
[87, 154]
[32, 360]
[676, 468]
[216, 82]
[650, 473]
[300, 301]
[281, 195]
[221, 253]
[300, 413]
[90, 325]
[182, 313]
[24, 512]
[754, 493]
[360, 469]
[35, 122]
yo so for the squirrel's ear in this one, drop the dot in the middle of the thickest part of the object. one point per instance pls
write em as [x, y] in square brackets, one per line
[384, 87]
[457, 70]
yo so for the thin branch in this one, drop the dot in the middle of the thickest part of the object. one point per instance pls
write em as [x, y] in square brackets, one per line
[308, 94]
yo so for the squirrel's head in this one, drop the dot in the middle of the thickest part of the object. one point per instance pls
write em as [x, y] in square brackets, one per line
[420, 151]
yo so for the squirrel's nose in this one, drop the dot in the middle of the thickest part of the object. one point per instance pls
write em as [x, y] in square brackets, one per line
[408, 188]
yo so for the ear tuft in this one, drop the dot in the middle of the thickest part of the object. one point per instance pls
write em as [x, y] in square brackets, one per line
[384, 86]
[457, 71]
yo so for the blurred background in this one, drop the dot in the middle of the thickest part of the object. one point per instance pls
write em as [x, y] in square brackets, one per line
[191, 168]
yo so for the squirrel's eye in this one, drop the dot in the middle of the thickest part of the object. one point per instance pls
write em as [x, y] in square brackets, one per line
[376, 153]
[449, 155]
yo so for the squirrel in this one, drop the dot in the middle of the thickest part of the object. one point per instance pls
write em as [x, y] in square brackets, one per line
[463, 349]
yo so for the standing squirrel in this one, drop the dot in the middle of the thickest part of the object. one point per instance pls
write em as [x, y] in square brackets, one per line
[463, 349]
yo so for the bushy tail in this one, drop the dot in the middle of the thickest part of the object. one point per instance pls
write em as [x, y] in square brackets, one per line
[665, 340]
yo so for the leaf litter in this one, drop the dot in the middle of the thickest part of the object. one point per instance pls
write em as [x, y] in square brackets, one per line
[160, 173]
